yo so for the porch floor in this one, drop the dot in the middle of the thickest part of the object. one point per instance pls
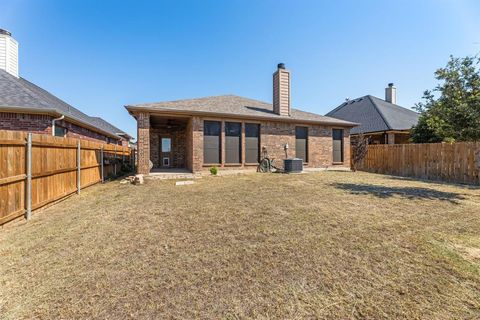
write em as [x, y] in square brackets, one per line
[171, 173]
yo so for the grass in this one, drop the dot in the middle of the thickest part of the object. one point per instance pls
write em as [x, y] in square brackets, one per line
[321, 245]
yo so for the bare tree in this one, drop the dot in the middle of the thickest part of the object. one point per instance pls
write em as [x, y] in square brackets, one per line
[359, 150]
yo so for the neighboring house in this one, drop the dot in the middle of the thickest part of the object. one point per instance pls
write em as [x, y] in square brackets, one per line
[126, 142]
[27, 107]
[382, 121]
[231, 131]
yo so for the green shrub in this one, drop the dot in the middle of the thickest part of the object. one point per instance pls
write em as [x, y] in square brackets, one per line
[214, 170]
[126, 168]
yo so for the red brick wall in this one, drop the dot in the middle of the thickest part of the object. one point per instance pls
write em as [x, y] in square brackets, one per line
[178, 146]
[273, 136]
[38, 123]
[35, 123]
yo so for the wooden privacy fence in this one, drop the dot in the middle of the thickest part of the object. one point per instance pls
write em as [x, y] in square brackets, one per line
[36, 170]
[452, 162]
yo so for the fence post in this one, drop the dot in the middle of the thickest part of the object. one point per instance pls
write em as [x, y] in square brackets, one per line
[132, 158]
[79, 169]
[28, 184]
[115, 161]
[101, 166]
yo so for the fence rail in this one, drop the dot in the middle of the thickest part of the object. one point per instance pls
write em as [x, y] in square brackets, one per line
[452, 162]
[36, 170]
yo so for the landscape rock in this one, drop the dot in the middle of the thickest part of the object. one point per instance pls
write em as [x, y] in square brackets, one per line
[138, 179]
[183, 183]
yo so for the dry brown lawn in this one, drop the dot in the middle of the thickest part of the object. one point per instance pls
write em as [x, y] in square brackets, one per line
[321, 245]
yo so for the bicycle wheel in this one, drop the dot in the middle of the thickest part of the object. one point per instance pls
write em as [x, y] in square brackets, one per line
[264, 165]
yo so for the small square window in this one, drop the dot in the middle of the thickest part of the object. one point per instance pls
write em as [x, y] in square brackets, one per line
[60, 131]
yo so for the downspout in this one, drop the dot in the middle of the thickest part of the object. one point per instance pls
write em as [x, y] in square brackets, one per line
[53, 123]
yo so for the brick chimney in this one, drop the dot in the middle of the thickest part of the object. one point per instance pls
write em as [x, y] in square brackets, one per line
[8, 53]
[391, 94]
[281, 91]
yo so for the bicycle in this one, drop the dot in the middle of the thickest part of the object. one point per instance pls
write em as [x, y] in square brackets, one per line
[267, 164]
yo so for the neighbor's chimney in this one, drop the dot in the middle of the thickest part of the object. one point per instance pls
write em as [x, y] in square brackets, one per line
[8, 53]
[391, 94]
[281, 91]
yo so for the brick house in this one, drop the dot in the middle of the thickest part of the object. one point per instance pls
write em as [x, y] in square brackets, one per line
[381, 121]
[27, 107]
[230, 132]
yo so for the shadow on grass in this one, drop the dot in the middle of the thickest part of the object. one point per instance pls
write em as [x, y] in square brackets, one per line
[458, 185]
[410, 193]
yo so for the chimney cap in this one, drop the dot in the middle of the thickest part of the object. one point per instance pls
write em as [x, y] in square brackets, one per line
[5, 32]
[281, 66]
[390, 84]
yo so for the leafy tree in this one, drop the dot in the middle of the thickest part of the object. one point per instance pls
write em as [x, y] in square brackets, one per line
[454, 113]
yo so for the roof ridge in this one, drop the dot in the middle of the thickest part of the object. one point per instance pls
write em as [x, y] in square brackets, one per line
[199, 98]
[395, 105]
[344, 104]
[379, 112]
[180, 100]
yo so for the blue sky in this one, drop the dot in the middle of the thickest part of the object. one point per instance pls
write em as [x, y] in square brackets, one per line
[100, 55]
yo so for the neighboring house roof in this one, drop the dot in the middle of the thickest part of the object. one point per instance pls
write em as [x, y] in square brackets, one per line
[18, 94]
[234, 106]
[111, 127]
[375, 114]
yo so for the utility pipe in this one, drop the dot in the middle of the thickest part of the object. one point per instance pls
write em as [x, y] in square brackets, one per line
[53, 123]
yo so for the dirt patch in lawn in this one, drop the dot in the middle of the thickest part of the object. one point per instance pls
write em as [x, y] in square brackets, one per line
[320, 245]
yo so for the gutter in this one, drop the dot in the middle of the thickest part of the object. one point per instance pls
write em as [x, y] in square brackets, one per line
[132, 109]
[55, 113]
[53, 123]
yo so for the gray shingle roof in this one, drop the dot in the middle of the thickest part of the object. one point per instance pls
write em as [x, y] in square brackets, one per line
[235, 106]
[111, 127]
[374, 115]
[18, 93]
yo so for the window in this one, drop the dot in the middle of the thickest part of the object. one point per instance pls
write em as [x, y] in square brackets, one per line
[301, 143]
[211, 142]
[60, 131]
[337, 145]
[233, 142]
[166, 144]
[166, 161]
[252, 143]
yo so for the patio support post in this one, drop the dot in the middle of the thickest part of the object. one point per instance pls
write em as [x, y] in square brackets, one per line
[143, 143]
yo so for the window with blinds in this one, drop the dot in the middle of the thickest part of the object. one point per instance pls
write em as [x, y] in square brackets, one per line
[252, 142]
[233, 142]
[211, 142]
[301, 143]
[337, 145]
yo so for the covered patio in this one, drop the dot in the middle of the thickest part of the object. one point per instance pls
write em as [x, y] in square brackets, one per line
[166, 144]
